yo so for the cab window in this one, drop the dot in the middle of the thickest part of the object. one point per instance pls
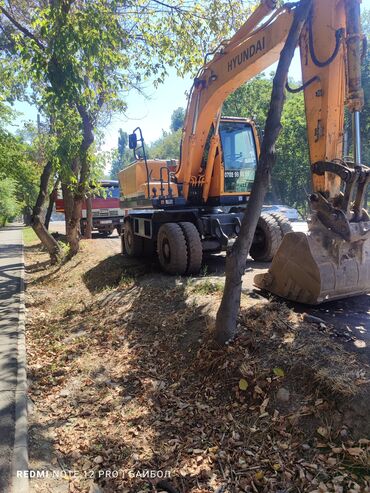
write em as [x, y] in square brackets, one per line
[239, 156]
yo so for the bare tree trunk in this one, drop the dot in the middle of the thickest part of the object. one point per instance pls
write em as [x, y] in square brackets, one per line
[73, 228]
[72, 211]
[68, 205]
[52, 199]
[27, 215]
[89, 219]
[46, 239]
[227, 314]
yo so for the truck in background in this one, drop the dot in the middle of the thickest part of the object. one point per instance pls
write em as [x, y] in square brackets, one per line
[106, 211]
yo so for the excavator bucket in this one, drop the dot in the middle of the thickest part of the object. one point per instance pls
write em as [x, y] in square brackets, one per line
[314, 268]
[331, 261]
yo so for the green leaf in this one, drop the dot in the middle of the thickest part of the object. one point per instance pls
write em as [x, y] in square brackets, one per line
[243, 384]
[279, 372]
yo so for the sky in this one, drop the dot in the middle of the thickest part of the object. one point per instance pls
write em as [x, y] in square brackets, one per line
[153, 112]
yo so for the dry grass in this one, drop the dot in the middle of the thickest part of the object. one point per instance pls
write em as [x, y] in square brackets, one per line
[126, 375]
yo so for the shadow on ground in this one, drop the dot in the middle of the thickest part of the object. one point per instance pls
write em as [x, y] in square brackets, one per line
[133, 384]
[115, 269]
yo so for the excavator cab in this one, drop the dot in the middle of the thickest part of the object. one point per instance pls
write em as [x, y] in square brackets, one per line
[233, 148]
[239, 155]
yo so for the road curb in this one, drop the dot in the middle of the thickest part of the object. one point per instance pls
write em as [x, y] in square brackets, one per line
[20, 482]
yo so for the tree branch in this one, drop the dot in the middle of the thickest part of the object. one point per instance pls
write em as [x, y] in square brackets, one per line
[23, 29]
[173, 7]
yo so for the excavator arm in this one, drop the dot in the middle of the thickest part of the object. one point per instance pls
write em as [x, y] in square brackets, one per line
[333, 260]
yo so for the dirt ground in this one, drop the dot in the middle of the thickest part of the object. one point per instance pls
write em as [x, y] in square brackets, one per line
[350, 316]
[127, 387]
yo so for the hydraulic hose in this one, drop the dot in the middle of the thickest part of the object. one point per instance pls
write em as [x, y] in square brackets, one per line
[339, 34]
[295, 90]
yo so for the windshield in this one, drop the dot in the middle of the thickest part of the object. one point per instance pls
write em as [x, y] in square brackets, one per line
[239, 156]
[108, 191]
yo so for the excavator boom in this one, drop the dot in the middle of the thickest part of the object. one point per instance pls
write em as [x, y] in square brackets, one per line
[252, 50]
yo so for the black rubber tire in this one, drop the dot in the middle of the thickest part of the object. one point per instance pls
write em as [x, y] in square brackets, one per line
[194, 247]
[268, 228]
[283, 222]
[123, 249]
[82, 229]
[133, 244]
[171, 249]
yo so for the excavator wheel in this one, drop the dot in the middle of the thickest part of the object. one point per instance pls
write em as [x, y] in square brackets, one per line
[283, 221]
[267, 239]
[133, 244]
[123, 249]
[171, 249]
[194, 247]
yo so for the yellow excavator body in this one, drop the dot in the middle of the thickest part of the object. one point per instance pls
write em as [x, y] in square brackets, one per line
[333, 260]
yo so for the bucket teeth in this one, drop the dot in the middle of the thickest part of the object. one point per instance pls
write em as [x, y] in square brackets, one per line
[314, 268]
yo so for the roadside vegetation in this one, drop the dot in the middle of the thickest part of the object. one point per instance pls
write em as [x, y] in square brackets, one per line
[9, 205]
[19, 168]
[29, 236]
[55, 57]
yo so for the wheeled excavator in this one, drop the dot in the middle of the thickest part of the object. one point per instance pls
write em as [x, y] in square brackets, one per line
[194, 206]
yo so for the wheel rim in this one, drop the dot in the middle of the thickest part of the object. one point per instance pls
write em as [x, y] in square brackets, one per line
[166, 251]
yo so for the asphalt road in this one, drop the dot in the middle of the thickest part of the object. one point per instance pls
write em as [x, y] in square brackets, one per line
[11, 267]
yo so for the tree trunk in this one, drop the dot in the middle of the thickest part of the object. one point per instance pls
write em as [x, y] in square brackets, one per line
[72, 212]
[52, 199]
[73, 234]
[27, 215]
[89, 219]
[68, 206]
[227, 314]
[74, 227]
[46, 239]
